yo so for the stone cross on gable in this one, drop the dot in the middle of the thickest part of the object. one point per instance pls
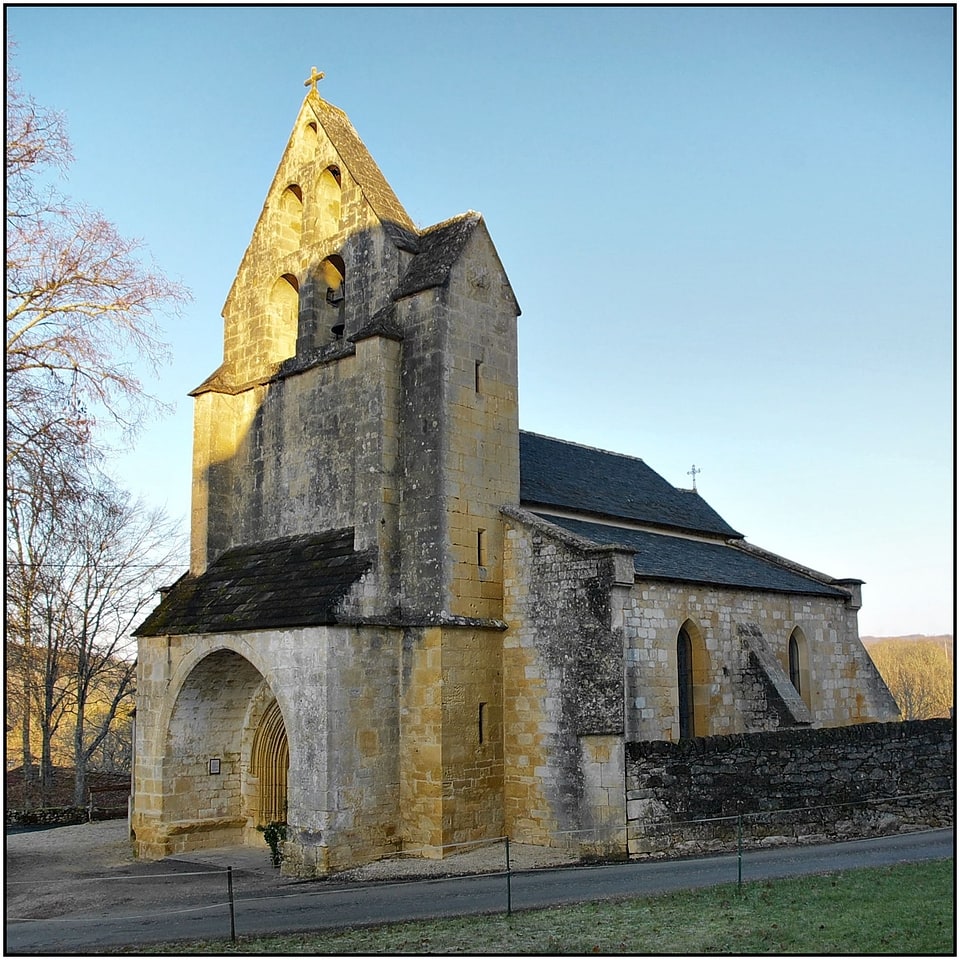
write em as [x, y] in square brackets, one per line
[313, 78]
[693, 471]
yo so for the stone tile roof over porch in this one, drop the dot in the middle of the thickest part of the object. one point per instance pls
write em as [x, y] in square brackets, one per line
[289, 582]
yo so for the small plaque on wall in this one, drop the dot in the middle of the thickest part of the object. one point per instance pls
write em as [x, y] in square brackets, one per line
[213, 765]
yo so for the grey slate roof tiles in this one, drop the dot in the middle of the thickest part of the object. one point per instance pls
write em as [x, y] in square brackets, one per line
[556, 473]
[289, 582]
[663, 557]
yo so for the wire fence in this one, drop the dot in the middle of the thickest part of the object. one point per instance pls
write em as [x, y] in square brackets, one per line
[735, 830]
[819, 821]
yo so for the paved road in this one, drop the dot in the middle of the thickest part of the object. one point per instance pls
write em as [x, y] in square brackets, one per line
[313, 905]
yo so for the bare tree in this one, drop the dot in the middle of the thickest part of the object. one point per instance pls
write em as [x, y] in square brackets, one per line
[124, 553]
[81, 577]
[35, 646]
[80, 300]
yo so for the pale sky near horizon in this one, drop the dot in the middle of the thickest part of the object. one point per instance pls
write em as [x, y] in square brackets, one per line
[730, 230]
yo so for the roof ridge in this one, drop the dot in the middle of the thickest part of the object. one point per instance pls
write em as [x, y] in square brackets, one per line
[587, 446]
[466, 215]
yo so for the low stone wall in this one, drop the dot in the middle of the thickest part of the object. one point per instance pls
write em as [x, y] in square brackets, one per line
[788, 786]
[62, 816]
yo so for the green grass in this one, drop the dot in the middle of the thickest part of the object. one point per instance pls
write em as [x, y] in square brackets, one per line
[905, 909]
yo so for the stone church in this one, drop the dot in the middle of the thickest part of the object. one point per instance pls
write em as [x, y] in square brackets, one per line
[407, 624]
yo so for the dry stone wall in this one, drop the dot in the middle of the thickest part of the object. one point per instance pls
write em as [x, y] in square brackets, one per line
[789, 785]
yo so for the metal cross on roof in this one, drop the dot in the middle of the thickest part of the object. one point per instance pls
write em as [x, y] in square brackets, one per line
[313, 78]
[692, 472]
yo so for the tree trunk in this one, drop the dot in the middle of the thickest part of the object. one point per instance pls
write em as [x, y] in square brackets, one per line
[29, 770]
[46, 738]
[79, 756]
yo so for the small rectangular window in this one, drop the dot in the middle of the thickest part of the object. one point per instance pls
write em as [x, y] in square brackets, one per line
[480, 719]
[476, 375]
[481, 547]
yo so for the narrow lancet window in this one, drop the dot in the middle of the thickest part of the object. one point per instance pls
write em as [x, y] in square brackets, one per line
[685, 684]
[794, 656]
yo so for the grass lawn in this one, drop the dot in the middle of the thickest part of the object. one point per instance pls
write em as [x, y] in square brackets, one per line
[905, 909]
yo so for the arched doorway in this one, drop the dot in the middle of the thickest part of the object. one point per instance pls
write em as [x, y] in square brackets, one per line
[269, 766]
[226, 757]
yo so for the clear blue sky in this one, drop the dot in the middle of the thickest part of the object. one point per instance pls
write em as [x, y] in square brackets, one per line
[730, 229]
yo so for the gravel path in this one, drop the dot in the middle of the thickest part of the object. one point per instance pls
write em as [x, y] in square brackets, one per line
[67, 871]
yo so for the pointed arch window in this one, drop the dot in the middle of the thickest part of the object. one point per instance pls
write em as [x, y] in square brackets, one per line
[685, 684]
[798, 665]
[794, 657]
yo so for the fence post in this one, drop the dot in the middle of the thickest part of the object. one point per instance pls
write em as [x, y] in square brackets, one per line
[233, 924]
[739, 852]
[509, 898]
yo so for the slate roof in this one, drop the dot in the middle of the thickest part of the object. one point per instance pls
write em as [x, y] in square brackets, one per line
[290, 582]
[665, 557]
[440, 248]
[556, 473]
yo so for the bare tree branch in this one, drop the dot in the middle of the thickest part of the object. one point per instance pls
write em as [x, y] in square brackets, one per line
[80, 301]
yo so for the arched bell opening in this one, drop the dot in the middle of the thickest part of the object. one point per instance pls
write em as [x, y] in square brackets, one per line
[289, 219]
[328, 200]
[280, 329]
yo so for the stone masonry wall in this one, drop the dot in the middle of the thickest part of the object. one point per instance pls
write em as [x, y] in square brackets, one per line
[459, 443]
[788, 785]
[563, 683]
[298, 428]
[843, 684]
[199, 697]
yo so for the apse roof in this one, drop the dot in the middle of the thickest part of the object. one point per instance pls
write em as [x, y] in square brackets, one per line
[289, 582]
[665, 557]
[563, 475]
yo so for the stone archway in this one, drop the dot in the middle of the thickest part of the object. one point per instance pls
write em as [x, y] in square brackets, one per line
[223, 713]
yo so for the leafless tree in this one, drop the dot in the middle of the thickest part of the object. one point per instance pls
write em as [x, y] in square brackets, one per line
[77, 593]
[36, 686]
[124, 553]
[80, 300]
[82, 559]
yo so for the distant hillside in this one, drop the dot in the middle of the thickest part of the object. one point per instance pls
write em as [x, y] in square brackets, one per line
[918, 671]
[941, 638]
